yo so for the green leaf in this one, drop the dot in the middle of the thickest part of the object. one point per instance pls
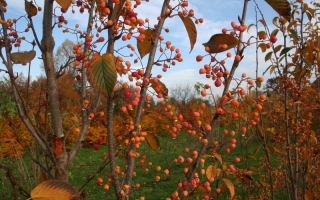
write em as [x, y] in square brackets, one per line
[268, 56]
[274, 32]
[191, 30]
[217, 41]
[102, 74]
[285, 50]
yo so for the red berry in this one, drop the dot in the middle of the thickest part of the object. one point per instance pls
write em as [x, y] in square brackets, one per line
[199, 58]
[79, 3]
[273, 39]
[185, 185]
[96, 146]
[217, 83]
[99, 140]
[218, 190]
[14, 34]
[43, 103]
[134, 74]
[79, 58]
[127, 93]
[81, 10]
[78, 77]
[61, 19]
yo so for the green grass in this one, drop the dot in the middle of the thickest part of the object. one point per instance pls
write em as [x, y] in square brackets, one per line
[88, 161]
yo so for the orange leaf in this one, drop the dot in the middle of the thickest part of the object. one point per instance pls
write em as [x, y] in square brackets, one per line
[30, 8]
[230, 186]
[144, 46]
[152, 141]
[309, 195]
[23, 57]
[119, 66]
[58, 147]
[211, 171]
[218, 156]
[191, 30]
[102, 74]
[282, 7]
[65, 4]
[221, 42]
[55, 189]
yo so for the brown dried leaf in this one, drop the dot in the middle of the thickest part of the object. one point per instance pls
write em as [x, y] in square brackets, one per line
[30, 8]
[58, 147]
[55, 189]
[152, 141]
[23, 57]
[144, 46]
[160, 88]
[282, 7]
[191, 30]
[65, 4]
[309, 195]
[230, 186]
[218, 40]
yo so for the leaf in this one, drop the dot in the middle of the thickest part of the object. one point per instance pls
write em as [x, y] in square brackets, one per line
[307, 62]
[58, 147]
[230, 186]
[261, 34]
[216, 41]
[152, 141]
[31, 10]
[160, 88]
[309, 195]
[285, 50]
[270, 148]
[218, 156]
[263, 22]
[211, 171]
[263, 47]
[282, 7]
[277, 48]
[102, 74]
[23, 57]
[191, 30]
[144, 46]
[268, 56]
[55, 189]
[65, 4]
[202, 189]
[4, 3]
[274, 32]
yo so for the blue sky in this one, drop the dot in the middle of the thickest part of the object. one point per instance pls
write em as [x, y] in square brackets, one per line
[217, 14]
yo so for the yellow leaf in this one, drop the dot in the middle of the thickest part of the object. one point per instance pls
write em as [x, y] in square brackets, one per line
[145, 45]
[191, 30]
[221, 42]
[152, 141]
[23, 57]
[202, 189]
[211, 171]
[282, 7]
[30, 8]
[230, 186]
[65, 4]
[55, 189]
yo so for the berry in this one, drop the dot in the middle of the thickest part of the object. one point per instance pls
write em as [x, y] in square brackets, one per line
[185, 185]
[217, 83]
[78, 77]
[96, 147]
[273, 39]
[99, 140]
[127, 93]
[79, 3]
[61, 19]
[199, 58]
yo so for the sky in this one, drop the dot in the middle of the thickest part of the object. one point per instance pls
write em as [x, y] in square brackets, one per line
[217, 14]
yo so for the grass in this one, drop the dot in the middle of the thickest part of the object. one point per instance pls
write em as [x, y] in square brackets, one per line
[88, 161]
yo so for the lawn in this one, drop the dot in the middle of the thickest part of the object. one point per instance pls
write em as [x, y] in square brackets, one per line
[88, 161]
